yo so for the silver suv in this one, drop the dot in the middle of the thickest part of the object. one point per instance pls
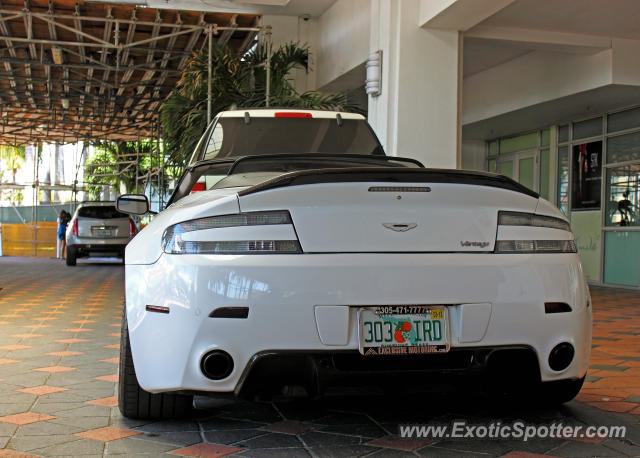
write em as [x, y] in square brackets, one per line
[98, 229]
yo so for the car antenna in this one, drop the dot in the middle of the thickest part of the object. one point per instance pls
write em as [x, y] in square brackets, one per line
[339, 119]
[247, 118]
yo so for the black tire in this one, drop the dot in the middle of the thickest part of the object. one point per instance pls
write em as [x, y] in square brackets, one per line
[71, 256]
[556, 393]
[133, 401]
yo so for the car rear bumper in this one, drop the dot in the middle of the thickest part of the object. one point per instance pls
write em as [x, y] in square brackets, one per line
[88, 246]
[309, 304]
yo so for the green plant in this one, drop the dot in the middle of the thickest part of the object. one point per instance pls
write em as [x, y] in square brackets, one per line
[11, 159]
[118, 163]
[237, 81]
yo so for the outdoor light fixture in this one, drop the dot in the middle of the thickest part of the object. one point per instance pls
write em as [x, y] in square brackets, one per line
[373, 83]
[65, 103]
[57, 55]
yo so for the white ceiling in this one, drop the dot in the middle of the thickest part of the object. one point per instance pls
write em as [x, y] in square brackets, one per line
[610, 18]
[313, 8]
[481, 54]
[580, 105]
[617, 18]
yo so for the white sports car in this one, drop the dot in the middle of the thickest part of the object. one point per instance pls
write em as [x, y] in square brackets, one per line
[294, 253]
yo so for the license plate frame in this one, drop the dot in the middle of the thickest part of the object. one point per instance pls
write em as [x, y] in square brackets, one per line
[101, 231]
[376, 340]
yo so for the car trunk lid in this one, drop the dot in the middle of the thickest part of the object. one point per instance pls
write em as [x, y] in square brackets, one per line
[395, 211]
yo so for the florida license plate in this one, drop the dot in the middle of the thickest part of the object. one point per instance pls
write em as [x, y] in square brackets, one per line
[403, 330]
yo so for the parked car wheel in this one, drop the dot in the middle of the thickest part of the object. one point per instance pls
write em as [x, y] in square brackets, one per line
[133, 401]
[71, 256]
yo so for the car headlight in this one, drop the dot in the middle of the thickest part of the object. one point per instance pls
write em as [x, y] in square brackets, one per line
[543, 230]
[243, 233]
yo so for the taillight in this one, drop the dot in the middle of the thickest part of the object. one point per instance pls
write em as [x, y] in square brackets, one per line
[132, 228]
[243, 233]
[200, 186]
[530, 233]
[75, 227]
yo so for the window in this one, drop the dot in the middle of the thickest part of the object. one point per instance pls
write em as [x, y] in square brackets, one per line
[100, 212]
[234, 137]
[623, 195]
[586, 176]
[623, 120]
[562, 191]
[588, 128]
[623, 148]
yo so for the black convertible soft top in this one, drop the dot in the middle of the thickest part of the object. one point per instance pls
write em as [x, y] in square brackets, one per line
[390, 175]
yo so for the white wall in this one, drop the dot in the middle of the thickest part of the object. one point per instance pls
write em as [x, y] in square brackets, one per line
[285, 29]
[626, 61]
[417, 113]
[342, 39]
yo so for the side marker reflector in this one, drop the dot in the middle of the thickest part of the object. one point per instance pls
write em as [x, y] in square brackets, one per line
[157, 309]
[230, 312]
[556, 307]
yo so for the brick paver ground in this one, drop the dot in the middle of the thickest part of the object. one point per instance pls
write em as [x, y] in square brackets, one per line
[58, 364]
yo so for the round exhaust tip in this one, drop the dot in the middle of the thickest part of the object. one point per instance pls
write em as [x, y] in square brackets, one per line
[216, 364]
[561, 356]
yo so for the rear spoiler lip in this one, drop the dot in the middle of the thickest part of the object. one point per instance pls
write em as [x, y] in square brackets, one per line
[389, 175]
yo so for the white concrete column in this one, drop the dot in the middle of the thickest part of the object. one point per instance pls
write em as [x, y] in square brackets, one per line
[418, 112]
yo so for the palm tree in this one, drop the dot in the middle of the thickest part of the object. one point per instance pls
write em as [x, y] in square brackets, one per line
[12, 158]
[237, 81]
[114, 164]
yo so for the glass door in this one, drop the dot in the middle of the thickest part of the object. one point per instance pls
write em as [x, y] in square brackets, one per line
[521, 167]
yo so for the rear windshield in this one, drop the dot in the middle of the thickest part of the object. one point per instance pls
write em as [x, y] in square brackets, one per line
[250, 171]
[233, 137]
[100, 212]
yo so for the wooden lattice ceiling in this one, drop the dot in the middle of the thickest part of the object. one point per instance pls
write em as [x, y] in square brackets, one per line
[76, 71]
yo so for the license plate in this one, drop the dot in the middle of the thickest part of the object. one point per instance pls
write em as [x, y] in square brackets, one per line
[403, 330]
[102, 232]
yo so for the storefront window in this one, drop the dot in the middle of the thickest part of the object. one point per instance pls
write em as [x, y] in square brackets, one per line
[492, 165]
[623, 196]
[588, 128]
[563, 134]
[545, 138]
[623, 120]
[493, 148]
[544, 174]
[506, 169]
[563, 179]
[586, 176]
[623, 148]
[523, 142]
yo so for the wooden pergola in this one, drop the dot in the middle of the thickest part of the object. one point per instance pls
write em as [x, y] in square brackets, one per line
[73, 71]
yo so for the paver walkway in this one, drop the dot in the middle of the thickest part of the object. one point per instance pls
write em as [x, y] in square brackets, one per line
[59, 340]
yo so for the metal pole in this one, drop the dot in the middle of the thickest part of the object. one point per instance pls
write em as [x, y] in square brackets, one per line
[268, 63]
[35, 207]
[158, 160]
[210, 32]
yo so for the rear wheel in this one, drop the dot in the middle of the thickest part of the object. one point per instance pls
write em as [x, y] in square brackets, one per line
[133, 401]
[71, 256]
